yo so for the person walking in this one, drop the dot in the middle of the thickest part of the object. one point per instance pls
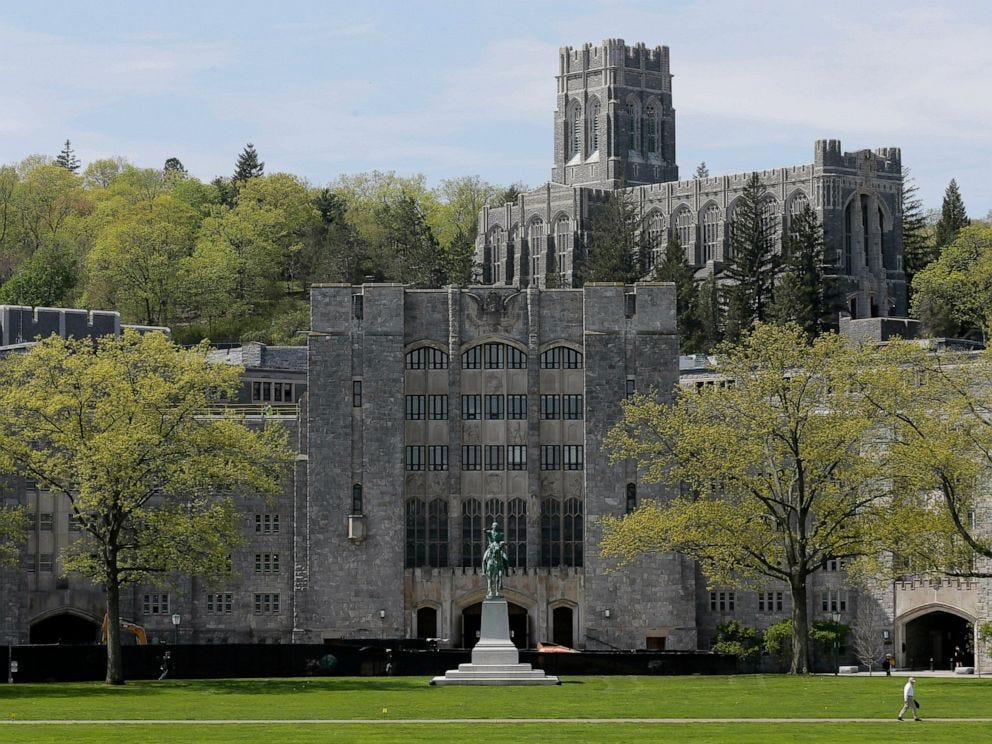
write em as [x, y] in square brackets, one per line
[909, 700]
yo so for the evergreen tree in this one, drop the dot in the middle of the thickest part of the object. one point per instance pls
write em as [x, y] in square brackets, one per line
[753, 265]
[805, 294]
[917, 244]
[675, 268]
[248, 165]
[174, 165]
[710, 315]
[409, 247]
[702, 171]
[952, 216]
[226, 189]
[67, 158]
[613, 249]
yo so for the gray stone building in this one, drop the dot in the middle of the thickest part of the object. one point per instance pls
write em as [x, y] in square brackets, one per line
[615, 129]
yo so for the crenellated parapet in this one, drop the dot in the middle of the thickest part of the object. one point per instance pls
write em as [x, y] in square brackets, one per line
[21, 324]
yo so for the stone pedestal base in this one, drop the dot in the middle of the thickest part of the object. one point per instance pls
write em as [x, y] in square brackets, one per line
[495, 660]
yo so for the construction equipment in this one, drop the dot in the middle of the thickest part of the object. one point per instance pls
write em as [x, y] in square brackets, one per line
[137, 630]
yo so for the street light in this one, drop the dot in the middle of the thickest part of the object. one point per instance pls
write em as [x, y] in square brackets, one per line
[176, 619]
[835, 616]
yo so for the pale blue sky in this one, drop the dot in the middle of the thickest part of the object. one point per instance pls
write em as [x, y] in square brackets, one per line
[461, 88]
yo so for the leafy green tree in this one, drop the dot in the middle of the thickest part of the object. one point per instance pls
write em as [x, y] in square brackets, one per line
[954, 293]
[174, 166]
[100, 173]
[939, 443]
[674, 267]
[115, 429]
[775, 464]
[753, 265]
[917, 236]
[132, 266]
[248, 165]
[67, 158]
[953, 216]
[47, 200]
[777, 641]
[805, 294]
[614, 247]
[13, 532]
[43, 280]
[743, 641]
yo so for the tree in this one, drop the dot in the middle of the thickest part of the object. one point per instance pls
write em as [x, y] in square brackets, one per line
[43, 280]
[174, 166]
[917, 237]
[954, 293]
[416, 256]
[866, 631]
[953, 216]
[13, 532]
[805, 294]
[674, 267]
[939, 442]
[753, 265]
[67, 158]
[248, 165]
[116, 428]
[702, 171]
[100, 173]
[743, 641]
[775, 463]
[710, 314]
[613, 249]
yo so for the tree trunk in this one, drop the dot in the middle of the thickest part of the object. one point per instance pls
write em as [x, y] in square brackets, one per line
[800, 628]
[115, 662]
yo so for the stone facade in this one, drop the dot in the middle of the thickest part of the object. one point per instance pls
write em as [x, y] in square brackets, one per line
[615, 129]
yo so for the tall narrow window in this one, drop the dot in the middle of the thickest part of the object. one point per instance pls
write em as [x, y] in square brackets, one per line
[416, 533]
[535, 240]
[633, 115]
[650, 130]
[356, 393]
[472, 533]
[631, 497]
[574, 130]
[711, 232]
[437, 533]
[655, 247]
[685, 229]
[516, 533]
[356, 499]
[593, 117]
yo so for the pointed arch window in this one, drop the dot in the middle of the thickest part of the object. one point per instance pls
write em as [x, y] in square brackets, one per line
[573, 132]
[593, 119]
[650, 130]
[497, 254]
[516, 533]
[685, 229]
[472, 533]
[711, 232]
[535, 241]
[633, 120]
[655, 240]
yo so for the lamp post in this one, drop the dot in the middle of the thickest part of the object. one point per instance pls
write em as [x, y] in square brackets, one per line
[835, 616]
[176, 619]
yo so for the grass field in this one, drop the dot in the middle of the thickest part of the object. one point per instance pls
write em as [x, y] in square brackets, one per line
[583, 709]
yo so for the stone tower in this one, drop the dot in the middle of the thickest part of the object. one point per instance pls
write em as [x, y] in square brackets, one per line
[614, 125]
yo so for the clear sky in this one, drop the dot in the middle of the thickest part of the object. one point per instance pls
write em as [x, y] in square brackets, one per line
[461, 88]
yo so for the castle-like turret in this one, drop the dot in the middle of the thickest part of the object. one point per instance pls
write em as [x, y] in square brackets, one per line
[614, 123]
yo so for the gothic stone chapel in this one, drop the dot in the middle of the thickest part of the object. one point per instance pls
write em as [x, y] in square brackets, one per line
[615, 129]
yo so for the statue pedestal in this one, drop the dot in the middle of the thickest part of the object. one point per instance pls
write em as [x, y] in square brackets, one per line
[495, 660]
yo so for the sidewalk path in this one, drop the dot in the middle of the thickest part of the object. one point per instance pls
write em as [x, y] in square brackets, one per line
[433, 721]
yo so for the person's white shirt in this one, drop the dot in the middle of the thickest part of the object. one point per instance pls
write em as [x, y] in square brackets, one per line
[907, 691]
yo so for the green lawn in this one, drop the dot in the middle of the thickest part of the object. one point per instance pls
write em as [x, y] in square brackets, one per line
[336, 699]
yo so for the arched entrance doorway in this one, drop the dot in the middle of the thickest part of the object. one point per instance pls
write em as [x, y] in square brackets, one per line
[65, 628]
[472, 625]
[561, 627]
[935, 636]
[427, 622]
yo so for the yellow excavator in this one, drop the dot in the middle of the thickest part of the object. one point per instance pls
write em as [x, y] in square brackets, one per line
[137, 630]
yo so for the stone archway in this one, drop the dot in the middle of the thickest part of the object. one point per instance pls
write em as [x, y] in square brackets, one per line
[937, 637]
[65, 628]
[472, 625]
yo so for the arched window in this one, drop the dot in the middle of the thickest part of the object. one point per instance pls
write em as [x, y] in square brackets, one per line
[416, 533]
[848, 241]
[684, 228]
[592, 117]
[497, 253]
[563, 244]
[535, 241]
[561, 357]
[574, 129]
[711, 231]
[561, 532]
[769, 221]
[356, 499]
[494, 356]
[427, 357]
[472, 533]
[516, 533]
[650, 130]
[511, 254]
[654, 249]
[631, 497]
[437, 533]
[633, 123]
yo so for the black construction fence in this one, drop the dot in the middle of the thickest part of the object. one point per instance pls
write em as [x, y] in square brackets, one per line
[352, 658]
